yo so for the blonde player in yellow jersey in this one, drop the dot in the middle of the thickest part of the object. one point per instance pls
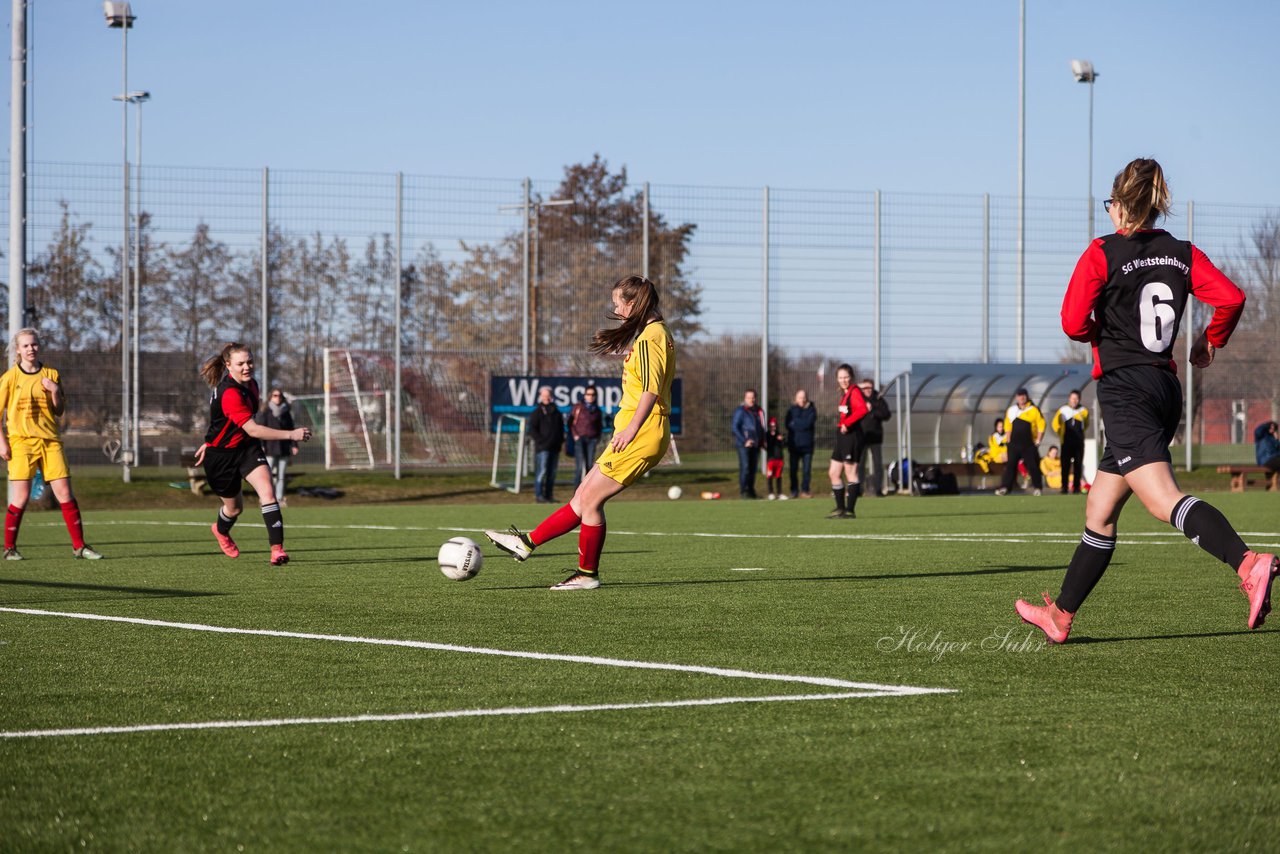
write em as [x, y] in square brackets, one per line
[641, 431]
[31, 401]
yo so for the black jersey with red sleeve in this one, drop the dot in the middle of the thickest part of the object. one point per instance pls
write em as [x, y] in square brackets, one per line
[1127, 295]
[853, 407]
[231, 405]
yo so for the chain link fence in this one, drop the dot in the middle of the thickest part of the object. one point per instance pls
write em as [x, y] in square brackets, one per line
[765, 287]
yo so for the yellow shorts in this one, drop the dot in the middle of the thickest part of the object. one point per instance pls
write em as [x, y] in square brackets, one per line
[645, 451]
[26, 455]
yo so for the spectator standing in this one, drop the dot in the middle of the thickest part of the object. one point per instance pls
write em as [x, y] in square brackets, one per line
[586, 423]
[801, 422]
[773, 445]
[1070, 422]
[276, 414]
[546, 426]
[1025, 426]
[873, 436]
[748, 436]
[1266, 445]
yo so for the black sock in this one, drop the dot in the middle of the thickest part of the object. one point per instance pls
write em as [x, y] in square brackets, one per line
[224, 523]
[852, 491]
[274, 521]
[1087, 565]
[1204, 525]
[838, 493]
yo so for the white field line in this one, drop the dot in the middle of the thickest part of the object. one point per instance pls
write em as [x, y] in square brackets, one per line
[456, 713]
[1151, 537]
[852, 689]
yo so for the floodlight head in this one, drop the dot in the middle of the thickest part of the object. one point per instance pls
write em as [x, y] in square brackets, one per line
[1083, 70]
[119, 15]
[139, 97]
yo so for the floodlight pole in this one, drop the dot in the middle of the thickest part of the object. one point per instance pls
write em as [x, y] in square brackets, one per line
[18, 170]
[120, 15]
[1085, 73]
[399, 311]
[1020, 300]
[530, 277]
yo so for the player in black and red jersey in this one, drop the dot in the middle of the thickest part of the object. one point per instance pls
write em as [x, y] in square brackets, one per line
[846, 486]
[1126, 298]
[232, 451]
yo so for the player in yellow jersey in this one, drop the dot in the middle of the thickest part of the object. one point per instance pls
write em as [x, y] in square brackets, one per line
[641, 431]
[31, 401]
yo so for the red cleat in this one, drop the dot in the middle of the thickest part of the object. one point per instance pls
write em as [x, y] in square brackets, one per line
[225, 543]
[1050, 619]
[279, 557]
[1256, 575]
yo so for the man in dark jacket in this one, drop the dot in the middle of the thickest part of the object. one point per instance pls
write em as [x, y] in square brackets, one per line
[1266, 445]
[873, 437]
[801, 421]
[546, 429]
[748, 436]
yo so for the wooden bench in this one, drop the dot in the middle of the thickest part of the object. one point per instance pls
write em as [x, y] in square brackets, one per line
[195, 473]
[1240, 476]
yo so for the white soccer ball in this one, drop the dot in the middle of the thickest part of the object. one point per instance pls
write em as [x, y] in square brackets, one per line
[674, 492]
[460, 559]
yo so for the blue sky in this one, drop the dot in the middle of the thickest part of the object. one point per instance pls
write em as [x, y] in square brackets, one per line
[902, 96]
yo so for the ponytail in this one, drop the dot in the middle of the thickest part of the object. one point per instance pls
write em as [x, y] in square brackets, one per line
[643, 296]
[211, 371]
[1143, 194]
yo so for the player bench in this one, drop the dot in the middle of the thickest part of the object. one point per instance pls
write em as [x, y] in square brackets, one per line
[966, 473]
[1240, 476]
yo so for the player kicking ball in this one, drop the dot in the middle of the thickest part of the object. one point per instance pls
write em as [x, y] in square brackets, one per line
[641, 431]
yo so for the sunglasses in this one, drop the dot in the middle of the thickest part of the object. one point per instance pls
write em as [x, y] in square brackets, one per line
[1106, 204]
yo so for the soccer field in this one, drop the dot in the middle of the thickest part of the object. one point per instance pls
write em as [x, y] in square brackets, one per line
[751, 677]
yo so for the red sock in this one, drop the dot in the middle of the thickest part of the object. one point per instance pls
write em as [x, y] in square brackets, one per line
[12, 520]
[557, 524]
[590, 544]
[71, 515]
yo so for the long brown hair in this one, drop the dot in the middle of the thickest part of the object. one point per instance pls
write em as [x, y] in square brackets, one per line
[1143, 195]
[643, 296]
[211, 371]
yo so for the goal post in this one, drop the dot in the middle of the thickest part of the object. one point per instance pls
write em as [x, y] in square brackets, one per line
[509, 453]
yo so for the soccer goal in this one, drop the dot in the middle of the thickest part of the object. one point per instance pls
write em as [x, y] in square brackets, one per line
[510, 462]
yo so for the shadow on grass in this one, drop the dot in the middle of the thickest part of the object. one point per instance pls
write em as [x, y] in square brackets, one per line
[759, 579]
[1192, 636]
[158, 592]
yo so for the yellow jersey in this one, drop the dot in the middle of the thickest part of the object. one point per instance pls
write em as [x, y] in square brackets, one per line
[650, 365]
[27, 407]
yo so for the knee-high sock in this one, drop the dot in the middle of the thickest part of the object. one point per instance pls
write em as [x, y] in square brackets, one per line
[1091, 559]
[12, 521]
[225, 522]
[590, 545]
[837, 492]
[71, 516]
[274, 520]
[1204, 525]
[559, 523]
[852, 492]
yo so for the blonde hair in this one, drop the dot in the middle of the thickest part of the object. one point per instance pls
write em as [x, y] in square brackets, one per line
[211, 371]
[643, 295]
[14, 358]
[1143, 194]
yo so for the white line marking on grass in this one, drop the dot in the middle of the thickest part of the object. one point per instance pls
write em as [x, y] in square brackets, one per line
[455, 713]
[747, 569]
[824, 681]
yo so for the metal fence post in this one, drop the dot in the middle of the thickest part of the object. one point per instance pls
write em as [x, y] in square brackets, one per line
[986, 277]
[264, 358]
[644, 261]
[764, 306]
[1189, 325]
[524, 319]
[399, 311]
[875, 332]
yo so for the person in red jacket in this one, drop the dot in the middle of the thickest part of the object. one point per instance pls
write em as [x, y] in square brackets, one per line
[843, 471]
[1126, 298]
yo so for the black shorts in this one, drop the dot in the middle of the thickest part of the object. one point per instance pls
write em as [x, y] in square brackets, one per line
[1141, 407]
[226, 469]
[848, 446]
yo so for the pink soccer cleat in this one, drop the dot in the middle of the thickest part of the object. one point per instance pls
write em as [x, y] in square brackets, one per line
[1050, 619]
[1256, 575]
[225, 543]
[279, 557]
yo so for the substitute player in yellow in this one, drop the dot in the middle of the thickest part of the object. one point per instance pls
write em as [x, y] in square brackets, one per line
[641, 431]
[31, 401]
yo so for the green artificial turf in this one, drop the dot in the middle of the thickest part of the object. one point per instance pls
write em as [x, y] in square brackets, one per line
[1152, 729]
